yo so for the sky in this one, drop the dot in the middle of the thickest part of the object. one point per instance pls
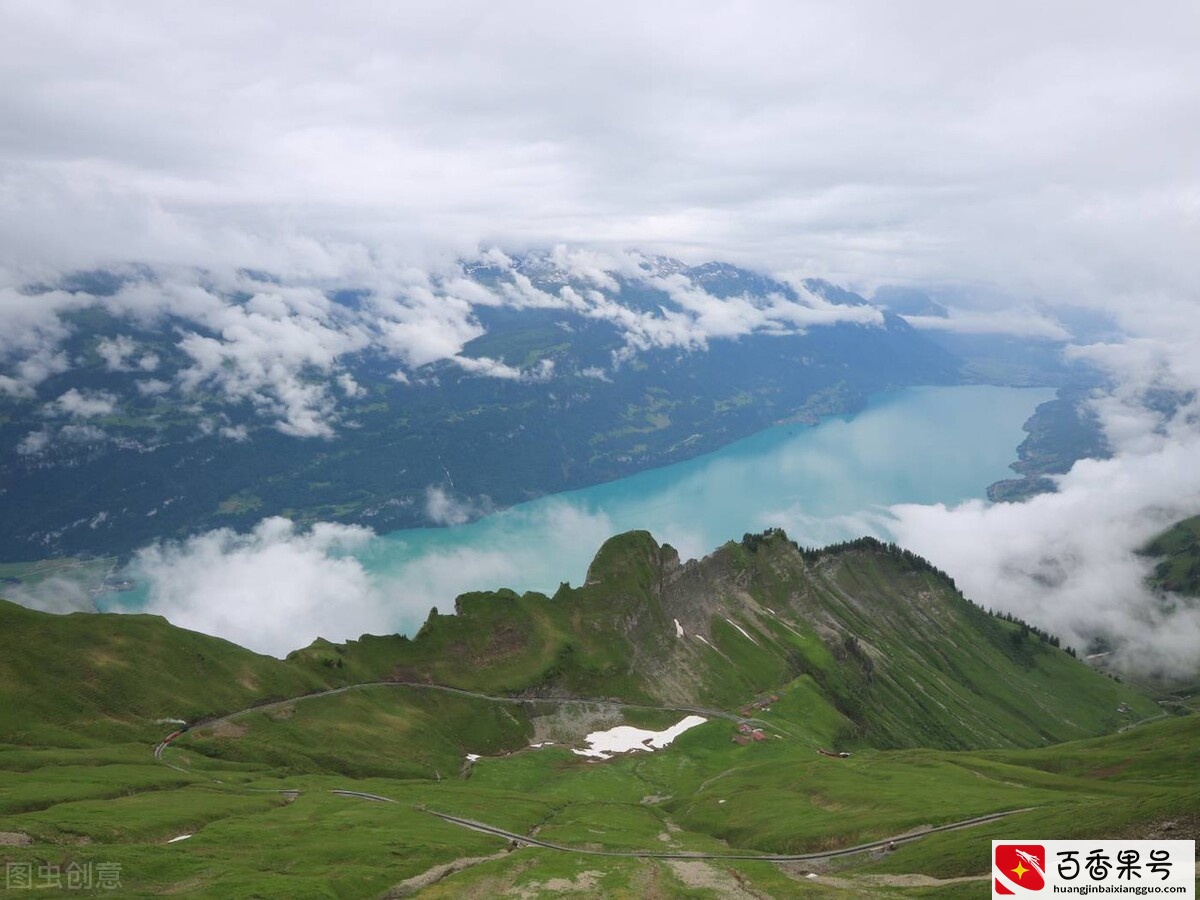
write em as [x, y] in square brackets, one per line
[1028, 155]
[1034, 146]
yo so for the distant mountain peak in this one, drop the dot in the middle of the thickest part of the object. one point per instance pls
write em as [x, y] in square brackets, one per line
[662, 266]
[829, 291]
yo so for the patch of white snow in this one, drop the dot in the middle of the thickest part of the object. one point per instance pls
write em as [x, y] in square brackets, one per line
[678, 629]
[792, 630]
[742, 630]
[625, 738]
[182, 837]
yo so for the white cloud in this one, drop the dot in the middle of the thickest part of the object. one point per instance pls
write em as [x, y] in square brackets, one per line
[32, 327]
[277, 587]
[350, 387]
[741, 315]
[424, 328]
[263, 350]
[83, 404]
[35, 368]
[1067, 561]
[118, 355]
[483, 365]
[1021, 322]
[273, 589]
[543, 370]
[520, 549]
[960, 144]
[56, 594]
[34, 442]
[496, 257]
[696, 318]
[153, 387]
[443, 508]
[588, 265]
[116, 352]
[520, 293]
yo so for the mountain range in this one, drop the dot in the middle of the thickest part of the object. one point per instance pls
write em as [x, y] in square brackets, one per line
[154, 405]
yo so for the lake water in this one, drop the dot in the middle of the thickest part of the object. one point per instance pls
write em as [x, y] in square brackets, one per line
[823, 484]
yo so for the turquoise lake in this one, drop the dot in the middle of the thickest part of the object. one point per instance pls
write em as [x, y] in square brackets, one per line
[822, 483]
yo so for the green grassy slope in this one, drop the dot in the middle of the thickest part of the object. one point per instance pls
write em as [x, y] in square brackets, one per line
[1137, 784]
[109, 676]
[704, 793]
[1178, 552]
[374, 731]
[887, 640]
[893, 652]
[862, 645]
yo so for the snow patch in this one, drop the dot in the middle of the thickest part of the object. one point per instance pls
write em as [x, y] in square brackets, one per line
[678, 629]
[700, 637]
[791, 629]
[182, 837]
[742, 630]
[542, 744]
[471, 757]
[624, 738]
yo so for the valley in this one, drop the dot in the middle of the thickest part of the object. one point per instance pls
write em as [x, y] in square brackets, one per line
[550, 394]
[444, 764]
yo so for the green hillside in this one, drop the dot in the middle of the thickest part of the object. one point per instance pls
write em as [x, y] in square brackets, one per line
[1178, 552]
[885, 640]
[65, 679]
[948, 714]
[259, 831]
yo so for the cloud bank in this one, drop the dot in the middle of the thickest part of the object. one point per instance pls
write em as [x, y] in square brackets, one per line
[285, 346]
[277, 587]
[1048, 147]
[1068, 561]
[254, 588]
